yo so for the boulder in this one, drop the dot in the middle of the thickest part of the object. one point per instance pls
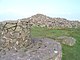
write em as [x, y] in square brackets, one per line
[67, 40]
[41, 49]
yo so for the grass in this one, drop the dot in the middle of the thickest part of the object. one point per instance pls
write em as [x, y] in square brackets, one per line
[68, 53]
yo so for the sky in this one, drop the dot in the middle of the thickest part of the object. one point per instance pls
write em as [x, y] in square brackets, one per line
[16, 9]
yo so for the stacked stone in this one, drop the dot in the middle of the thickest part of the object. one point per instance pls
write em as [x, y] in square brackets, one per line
[15, 34]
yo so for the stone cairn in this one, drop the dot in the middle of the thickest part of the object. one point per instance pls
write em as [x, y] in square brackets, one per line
[14, 34]
[16, 43]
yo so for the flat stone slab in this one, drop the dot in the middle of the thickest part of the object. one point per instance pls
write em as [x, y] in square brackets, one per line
[40, 49]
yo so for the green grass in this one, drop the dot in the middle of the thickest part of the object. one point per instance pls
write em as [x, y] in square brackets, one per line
[68, 53]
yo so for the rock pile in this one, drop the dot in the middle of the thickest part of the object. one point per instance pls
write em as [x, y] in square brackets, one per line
[59, 23]
[16, 43]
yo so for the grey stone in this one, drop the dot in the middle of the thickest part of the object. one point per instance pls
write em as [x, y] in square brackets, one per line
[41, 49]
[67, 40]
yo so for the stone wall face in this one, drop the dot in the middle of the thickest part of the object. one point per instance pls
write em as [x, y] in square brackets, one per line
[15, 34]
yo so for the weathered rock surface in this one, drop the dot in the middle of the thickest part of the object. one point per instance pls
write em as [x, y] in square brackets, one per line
[67, 40]
[41, 49]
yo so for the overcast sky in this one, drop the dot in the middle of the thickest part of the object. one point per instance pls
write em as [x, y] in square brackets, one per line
[14, 9]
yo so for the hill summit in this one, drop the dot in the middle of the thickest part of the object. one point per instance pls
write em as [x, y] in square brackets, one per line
[45, 21]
